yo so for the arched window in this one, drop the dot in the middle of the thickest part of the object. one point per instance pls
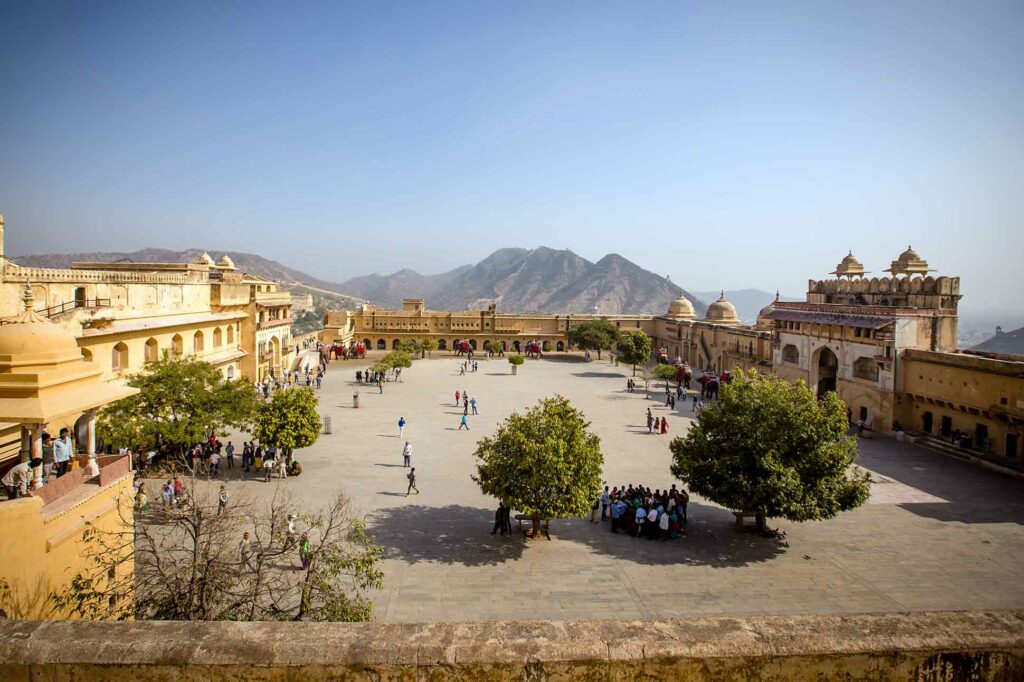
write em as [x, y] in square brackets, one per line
[394, 344]
[197, 343]
[231, 369]
[472, 344]
[177, 345]
[152, 350]
[442, 344]
[366, 344]
[865, 368]
[218, 338]
[119, 357]
[87, 355]
[560, 347]
[382, 344]
[231, 334]
[790, 354]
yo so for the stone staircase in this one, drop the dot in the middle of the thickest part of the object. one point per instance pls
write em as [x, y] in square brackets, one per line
[1005, 465]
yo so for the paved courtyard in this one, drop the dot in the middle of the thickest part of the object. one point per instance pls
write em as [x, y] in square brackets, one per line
[936, 534]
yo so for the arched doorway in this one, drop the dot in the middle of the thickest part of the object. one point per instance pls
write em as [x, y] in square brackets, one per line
[442, 344]
[382, 344]
[275, 349]
[394, 344]
[472, 344]
[560, 347]
[828, 369]
[366, 344]
[515, 346]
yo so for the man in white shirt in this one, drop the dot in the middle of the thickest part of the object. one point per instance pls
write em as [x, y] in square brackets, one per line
[407, 455]
[62, 448]
[18, 479]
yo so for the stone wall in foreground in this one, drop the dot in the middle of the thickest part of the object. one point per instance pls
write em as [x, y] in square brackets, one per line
[966, 645]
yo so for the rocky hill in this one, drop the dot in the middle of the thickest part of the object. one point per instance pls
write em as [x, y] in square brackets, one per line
[517, 280]
[1007, 343]
[529, 280]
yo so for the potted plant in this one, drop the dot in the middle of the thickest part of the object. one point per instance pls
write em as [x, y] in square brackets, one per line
[515, 361]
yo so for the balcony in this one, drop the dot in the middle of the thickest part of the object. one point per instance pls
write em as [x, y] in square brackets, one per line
[268, 324]
[273, 298]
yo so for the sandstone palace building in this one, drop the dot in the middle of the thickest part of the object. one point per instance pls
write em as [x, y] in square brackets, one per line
[887, 345]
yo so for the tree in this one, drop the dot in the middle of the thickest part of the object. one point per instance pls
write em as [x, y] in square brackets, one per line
[408, 346]
[634, 347]
[665, 373]
[180, 402]
[192, 562]
[546, 462]
[515, 360]
[428, 346]
[594, 335]
[289, 420]
[769, 448]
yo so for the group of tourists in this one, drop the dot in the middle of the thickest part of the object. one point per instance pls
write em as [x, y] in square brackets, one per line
[658, 515]
[658, 425]
[470, 365]
[467, 404]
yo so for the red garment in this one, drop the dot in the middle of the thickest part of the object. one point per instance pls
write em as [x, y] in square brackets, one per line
[664, 425]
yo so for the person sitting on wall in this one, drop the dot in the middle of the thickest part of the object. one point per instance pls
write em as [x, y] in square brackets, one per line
[18, 479]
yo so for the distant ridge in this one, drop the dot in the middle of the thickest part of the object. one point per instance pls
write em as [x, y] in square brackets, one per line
[1007, 343]
[517, 280]
[530, 280]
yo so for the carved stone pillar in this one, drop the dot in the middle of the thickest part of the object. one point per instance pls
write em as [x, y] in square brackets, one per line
[36, 438]
[90, 443]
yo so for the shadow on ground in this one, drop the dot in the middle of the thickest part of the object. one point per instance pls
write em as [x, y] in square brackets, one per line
[973, 494]
[461, 535]
[455, 534]
[712, 539]
[600, 375]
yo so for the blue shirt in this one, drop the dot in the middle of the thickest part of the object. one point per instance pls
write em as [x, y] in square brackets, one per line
[61, 449]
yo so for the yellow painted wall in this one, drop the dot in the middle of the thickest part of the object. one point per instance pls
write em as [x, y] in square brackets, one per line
[41, 552]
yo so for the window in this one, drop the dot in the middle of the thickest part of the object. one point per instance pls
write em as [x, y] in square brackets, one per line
[152, 350]
[231, 334]
[218, 338]
[177, 345]
[865, 368]
[119, 357]
[197, 343]
[790, 354]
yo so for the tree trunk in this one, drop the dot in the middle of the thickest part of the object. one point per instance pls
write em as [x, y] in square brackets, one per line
[536, 528]
[634, 370]
[762, 523]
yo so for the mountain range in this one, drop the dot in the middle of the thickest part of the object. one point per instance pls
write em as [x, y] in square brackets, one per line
[516, 280]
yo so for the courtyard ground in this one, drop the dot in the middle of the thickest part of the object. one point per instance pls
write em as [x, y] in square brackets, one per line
[937, 533]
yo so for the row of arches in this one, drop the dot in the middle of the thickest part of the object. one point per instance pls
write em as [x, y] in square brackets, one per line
[444, 344]
[886, 285]
[120, 354]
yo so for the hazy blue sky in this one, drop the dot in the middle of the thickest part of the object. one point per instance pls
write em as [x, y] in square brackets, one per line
[726, 144]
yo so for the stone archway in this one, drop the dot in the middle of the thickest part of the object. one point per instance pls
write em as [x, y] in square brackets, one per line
[442, 344]
[826, 371]
[516, 346]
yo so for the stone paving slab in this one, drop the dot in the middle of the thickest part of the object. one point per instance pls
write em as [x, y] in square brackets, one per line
[937, 533]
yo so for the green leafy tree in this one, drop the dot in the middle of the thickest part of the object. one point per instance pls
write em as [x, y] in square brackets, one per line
[428, 346]
[594, 335]
[546, 462]
[634, 347]
[289, 420]
[665, 373]
[768, 447]
[180, 403]
[408, 346]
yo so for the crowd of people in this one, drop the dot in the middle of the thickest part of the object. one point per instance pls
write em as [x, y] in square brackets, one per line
[636, 511]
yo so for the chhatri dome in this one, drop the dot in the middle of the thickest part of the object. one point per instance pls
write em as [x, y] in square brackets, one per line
[849, 267]
[909, 263]
[763, 321]
[31, 340]
[722, 312]
[681, 309]
[225, 263]
[205, 259]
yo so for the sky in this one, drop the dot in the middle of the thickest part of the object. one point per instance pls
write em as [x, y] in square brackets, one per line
[726, 144]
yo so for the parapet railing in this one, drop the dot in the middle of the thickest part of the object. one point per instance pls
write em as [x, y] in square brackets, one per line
[61, 308]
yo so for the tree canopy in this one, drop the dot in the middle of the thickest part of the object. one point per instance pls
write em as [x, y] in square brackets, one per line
[545, 463]
[665, 372]
[428, 346]
[634, 347]
[180, 403]
[767, 446]
[288, 420]
[408, 346]
[594, 335]
[516, 360]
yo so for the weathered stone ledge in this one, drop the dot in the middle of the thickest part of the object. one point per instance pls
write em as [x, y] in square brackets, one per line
[968, 645]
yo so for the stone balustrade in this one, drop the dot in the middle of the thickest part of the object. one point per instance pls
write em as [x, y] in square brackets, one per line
[939, 646]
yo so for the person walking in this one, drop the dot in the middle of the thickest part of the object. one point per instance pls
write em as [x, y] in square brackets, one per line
[222, 500]
[664, 425]
[657, 425]
[463, 424]
[472, 402]
[407, 455]
[401, 427]
[605, 499]
[499, 519]
[305, 553]
[62, 449]
[412, 482]
[458, 398]
[230, 452]
[650, 420]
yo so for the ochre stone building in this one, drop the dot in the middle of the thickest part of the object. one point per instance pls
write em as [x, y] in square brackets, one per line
[887, 345]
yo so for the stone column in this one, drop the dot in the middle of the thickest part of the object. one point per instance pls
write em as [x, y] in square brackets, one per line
[37, 451]
[26, 443]
[92, 467]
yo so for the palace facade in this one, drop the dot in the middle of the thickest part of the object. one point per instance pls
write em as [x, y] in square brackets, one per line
[887, 345]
